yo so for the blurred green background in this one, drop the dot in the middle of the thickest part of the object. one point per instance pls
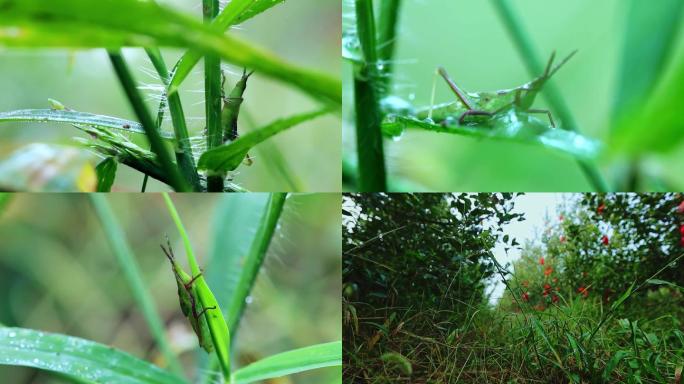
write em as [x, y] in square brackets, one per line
[468, 38]
[306, 33]
[58, 273]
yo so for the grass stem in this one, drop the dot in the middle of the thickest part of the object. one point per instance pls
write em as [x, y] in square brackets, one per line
[183, 149]
[156, 144]
[212, 94]
[369, 145]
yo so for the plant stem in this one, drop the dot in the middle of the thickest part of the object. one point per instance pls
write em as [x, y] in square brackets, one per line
[183, 150]
[156, 144]
[369, 145]
[117, 239]
[212, 94]
[523, 43]
[387, 30]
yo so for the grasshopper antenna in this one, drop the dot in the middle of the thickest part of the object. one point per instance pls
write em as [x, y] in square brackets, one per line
[547, 71]
[169, 252]
[557, 67]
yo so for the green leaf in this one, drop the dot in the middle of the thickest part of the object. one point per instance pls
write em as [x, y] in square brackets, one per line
[117, 23]
[650, 30]
[510, 125]
[73, 117]
[48, 168]
[106, 173]
[230, 156]
[287, 363]
[234, 13]
[656, 127]
[79, 358]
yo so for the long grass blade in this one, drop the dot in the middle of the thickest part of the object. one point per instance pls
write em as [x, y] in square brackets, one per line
[287, 363]
[229, 157]
[118, 23]
[124, 255]
[78, 359]
[220, 334]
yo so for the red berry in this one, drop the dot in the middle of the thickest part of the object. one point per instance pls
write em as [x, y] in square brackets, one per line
[681, 229]
[547, 287]
[601, 208]
[554, 299]
[604, 240]
[541, 261]
[525, 296]
[680, 207]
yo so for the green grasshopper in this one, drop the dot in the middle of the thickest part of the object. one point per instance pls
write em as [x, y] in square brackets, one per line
[231, 108]
[189, 301]
[488, 104]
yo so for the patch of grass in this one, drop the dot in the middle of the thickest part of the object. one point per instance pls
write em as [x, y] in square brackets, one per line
[644, 342]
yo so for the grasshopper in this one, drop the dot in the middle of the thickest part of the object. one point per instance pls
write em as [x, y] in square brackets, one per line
[488, 104]
[189, 300]
[231, 108]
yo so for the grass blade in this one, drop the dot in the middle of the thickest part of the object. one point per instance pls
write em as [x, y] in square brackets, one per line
[273, 157]
[124, 255]
[78, 358]
[230, 156]
[287, 363]
[255, 257]
[220, 334]
[534, 66]
[234, 13]
[157, 145]
[73, 117]
[117, 23]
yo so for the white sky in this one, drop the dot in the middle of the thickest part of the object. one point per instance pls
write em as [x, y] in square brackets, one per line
[536, 207]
